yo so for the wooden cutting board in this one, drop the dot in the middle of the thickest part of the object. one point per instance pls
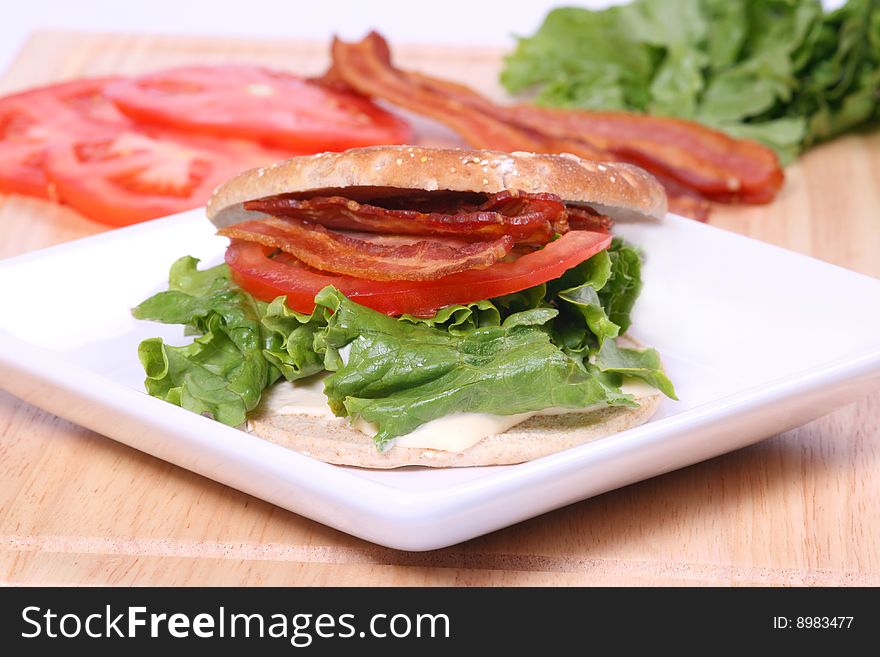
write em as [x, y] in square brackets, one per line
[800, 508]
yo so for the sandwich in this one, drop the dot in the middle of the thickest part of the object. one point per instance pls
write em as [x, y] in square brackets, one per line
[399, 305]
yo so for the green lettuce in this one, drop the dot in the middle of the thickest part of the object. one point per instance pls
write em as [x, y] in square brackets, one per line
[400, 375]
[223, 372]
[293, 336]
[642, 364]
[782, 72]
[552, 345]
[619, 294]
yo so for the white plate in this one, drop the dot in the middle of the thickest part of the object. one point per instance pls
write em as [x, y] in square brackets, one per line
[756, 339]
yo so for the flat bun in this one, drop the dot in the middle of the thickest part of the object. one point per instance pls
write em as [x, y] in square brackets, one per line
[621, 191]
[334, 441]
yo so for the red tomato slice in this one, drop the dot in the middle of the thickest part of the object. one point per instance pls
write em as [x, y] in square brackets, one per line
[34, 120]
[22, 169]
[124, 177]
[268, 278]
[256, 103]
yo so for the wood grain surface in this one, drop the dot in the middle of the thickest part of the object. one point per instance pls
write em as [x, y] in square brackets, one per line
[797, 509]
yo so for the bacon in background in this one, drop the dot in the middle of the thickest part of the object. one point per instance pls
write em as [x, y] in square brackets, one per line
[695, 164]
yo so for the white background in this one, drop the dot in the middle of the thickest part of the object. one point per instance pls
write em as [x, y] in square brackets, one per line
[491, 22]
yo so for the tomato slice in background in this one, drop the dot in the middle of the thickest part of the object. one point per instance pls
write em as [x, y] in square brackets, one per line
[267, 278]
[256, 103]
[125, 177]
[22, 167]
[70, 141]
[33, 121]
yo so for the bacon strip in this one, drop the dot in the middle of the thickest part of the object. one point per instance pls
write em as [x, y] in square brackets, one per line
[522, 210]
[716, 165]
[366, 67]
[683, 200]
[527, 218]
[584, 218]
[362, 257]
[694, 162]
[707, 161]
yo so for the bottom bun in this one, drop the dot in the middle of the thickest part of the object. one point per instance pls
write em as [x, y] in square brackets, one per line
[334, 441]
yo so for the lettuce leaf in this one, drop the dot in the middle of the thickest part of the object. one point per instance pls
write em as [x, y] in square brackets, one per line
[642, 364]
[293, 339]
[460, 318]
[619, 294]
[547, 346]
[223, 372]
[400, 375]
[782, 72]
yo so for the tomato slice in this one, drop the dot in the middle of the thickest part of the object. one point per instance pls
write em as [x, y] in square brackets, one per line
[256, 103]
[33, 121]
[124, 177]
[22, 169]
[267, 278]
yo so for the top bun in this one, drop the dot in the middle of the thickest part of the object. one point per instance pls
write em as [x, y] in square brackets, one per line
[621, 191]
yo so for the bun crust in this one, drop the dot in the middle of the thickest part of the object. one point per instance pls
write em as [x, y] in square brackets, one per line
[335, 441]
[621, 191]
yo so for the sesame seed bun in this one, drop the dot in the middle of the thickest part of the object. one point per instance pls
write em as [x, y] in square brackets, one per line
[621, 191]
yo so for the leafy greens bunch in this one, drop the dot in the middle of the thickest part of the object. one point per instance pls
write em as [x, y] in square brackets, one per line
[552, 345]
[782, 72]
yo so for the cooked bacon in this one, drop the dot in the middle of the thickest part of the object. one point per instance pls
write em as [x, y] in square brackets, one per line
[716, 165]
[707, 161]
[527, 218]
[366, 67]
[470, 101]
[362, 257]
[583, 218]
[521, 211]
[695, 163]
[683, 200]
[690, 206]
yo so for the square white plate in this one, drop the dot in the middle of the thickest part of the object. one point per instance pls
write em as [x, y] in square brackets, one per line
[756, 339]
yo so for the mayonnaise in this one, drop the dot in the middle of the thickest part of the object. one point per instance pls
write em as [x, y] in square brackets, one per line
[453, 433]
